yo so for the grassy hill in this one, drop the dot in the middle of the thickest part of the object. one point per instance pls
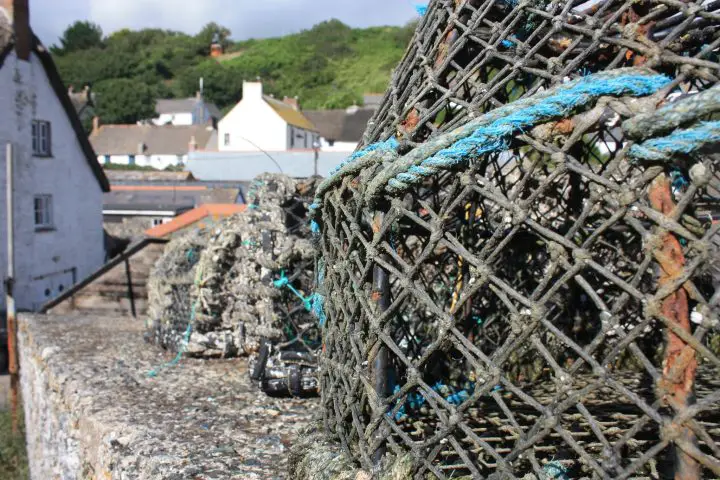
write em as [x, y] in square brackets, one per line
[328, 66]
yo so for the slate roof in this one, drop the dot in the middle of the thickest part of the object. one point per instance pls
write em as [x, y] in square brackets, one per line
[289, 114]
[6, 45]
[184, 105]
[341, 125]
[156, 139]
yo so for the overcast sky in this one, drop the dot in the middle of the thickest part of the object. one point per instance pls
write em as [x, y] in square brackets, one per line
[245, 18]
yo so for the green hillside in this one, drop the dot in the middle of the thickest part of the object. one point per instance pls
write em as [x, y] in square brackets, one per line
[328, 66]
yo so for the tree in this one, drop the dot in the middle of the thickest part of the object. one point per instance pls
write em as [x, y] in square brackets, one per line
[79, 36]
[210, 33]
[124, 101]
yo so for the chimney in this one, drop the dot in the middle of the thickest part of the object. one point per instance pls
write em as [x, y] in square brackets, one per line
[96, 124]
[252, 91]
[19, 14]
[293, 102]
[192, 146]
[70, 90]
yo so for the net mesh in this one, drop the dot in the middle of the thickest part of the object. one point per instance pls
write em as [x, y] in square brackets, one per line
[549, 308]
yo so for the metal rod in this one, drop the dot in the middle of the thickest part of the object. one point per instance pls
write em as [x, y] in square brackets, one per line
[10, 300]
[131, 293]
[381, 297]
[680, 363]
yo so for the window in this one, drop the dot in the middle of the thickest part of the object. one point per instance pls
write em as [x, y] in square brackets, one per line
[157, 221]
[41, 138]
[43, 211]
[131, 160]
[227, 139]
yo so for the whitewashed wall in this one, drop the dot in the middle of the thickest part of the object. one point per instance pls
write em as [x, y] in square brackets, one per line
[155, 161]
[174, 119]
[252, 119]
[45, 260]
[347, 147]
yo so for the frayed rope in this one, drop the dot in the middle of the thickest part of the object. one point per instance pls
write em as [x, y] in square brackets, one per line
[497, 135]
[685, 142]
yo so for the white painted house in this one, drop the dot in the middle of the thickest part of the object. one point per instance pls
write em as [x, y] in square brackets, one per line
[260, 122]
[186, 111]
[58, 184]
[148, 145]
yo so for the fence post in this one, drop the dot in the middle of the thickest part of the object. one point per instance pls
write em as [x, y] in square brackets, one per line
[381, 297]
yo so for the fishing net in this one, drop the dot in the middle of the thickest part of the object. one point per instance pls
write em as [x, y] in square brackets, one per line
[244, 285]
[171, 289]
[519, 270]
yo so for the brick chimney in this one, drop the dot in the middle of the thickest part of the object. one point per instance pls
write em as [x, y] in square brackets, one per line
[96, 124]
[293, 102]
[192, 146]
[19, 14]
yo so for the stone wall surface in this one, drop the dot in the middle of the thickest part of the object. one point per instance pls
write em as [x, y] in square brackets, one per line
[93, 411]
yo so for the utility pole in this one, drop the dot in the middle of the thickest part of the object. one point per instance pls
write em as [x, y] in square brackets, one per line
[316, 150]
[10, 299]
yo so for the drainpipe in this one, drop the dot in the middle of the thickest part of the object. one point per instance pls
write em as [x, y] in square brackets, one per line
[10, 300]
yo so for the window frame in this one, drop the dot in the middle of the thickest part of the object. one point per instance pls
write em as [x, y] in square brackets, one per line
[41, 132]
[43, 211]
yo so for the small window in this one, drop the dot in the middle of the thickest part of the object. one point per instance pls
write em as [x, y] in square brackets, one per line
[43, 211]
[227, 139]
[157, 221]
[41, 138]
[331, 143]
[131, 160]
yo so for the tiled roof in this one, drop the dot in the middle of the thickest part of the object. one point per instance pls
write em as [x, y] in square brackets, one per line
[155, 139]
[341, 125]
[184, 105]
[6, 45]
[194, 216]
[289, 114]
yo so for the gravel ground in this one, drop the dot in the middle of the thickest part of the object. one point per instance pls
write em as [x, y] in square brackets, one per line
[199, 419]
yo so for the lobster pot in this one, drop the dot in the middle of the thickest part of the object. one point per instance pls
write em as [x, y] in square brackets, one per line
[470, 56]
[170, 289]
[535, 293]
[254, 275]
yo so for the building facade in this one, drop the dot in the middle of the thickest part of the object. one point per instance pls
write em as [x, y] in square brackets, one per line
[260, 122]
[157, 146]
[57, 183]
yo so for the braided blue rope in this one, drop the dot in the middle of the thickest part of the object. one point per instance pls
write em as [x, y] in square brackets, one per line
[389, 144]
[497, 135]
[684, 142]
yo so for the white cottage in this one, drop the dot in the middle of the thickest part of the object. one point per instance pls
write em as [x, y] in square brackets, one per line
[260, 122]
[58, 184]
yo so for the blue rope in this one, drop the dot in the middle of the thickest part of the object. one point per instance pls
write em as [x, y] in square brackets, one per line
[555, 469]
[283, 281]
[497, 135]
[421, 9]
[454, 397]
[679, 142]
[188, 331]
[389, 144]
[186, 338]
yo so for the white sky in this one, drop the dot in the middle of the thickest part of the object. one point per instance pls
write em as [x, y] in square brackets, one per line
[245, 18]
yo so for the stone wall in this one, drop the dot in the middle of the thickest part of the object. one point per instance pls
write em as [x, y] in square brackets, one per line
[93, 410]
